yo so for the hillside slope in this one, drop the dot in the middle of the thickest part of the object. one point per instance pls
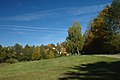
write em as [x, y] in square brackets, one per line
[57, 68]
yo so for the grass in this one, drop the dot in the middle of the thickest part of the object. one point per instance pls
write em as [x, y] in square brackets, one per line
[84, 67]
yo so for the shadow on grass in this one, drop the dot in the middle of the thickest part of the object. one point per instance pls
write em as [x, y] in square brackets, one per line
[95, 71]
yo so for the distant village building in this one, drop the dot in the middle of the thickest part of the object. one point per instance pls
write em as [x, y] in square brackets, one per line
[63, 51]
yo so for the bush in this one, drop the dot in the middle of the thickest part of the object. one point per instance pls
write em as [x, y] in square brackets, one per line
[63, 54]
[51, 54]
[1, 59]
[11, 61]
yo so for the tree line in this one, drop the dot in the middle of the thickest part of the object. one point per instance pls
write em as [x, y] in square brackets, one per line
[101, 37]
[16, 53]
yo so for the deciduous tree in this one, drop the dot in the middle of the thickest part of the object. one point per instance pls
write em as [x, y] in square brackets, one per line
[75, 39]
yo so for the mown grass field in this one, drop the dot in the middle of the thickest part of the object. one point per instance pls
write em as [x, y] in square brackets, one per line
[85, 67]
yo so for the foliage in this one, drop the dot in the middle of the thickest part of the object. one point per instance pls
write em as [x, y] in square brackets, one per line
[51, 54]
[36, 54]
[18, 53]
[27, 53]
[75, 40]
[19, 50]
[42, 52]
[12, 60]
[115, 43]
[104, 32]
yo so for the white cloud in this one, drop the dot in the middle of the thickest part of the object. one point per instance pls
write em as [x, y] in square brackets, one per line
[59, 12]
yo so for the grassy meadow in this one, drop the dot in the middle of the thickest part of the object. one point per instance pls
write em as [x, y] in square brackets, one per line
[85, 67]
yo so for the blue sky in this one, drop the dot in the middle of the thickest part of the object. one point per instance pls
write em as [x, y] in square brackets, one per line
[38, 22]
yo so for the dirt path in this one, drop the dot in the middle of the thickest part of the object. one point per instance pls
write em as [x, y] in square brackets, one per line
[113, 56]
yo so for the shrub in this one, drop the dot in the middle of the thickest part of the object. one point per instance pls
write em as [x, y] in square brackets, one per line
[11, 60]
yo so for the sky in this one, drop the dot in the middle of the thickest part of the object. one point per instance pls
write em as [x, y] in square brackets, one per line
[37, 22]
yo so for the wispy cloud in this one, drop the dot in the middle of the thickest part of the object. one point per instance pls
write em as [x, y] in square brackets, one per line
[30, 28]
[53, 13]
[19, 32]
[89, 9]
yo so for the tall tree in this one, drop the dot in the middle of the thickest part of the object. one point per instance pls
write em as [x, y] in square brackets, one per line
[7, 53]
[115, 12]
[105, 28]
[88, 38]
[0, 46]
[101, 33]
[36, 53]
[115, 24]
[75, 40]
[27, 53]
[42, 52]
[19, 50]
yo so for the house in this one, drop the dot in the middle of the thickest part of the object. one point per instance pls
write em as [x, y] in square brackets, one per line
[63, 51]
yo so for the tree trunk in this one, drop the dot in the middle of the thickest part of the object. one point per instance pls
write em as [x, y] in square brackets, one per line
[78, 52]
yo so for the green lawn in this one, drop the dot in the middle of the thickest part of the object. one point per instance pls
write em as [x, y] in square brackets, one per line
[84, 67]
